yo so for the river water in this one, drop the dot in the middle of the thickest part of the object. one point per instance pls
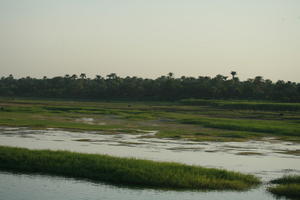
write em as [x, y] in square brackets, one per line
[266, 159]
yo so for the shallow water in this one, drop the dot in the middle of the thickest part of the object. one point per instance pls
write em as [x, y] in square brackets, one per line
[29, 187]
[271, 162]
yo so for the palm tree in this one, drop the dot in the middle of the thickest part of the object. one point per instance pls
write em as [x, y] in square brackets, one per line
[82, 75]
[258, 80]
[98, 77]
[221, 77]
[233, 73]
[112, 76]
[170, 75]
[74, 76]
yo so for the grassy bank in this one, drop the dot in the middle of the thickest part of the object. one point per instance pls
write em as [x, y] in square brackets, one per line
[287, 186]
[142, 173]
[171, 120]
[246, 105]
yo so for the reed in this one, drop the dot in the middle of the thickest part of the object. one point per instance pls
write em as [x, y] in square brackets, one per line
[122, 171]
[287, 186]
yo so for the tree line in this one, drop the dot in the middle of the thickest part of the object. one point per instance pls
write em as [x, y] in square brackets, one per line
[162, 88]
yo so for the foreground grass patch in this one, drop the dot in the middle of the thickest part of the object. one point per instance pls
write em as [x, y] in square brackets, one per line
[288, 186]
[126, 171]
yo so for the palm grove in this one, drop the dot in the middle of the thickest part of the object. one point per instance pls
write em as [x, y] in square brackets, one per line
[162, 88]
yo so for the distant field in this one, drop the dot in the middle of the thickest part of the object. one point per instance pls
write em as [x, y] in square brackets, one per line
[246, 105]
[201, 120]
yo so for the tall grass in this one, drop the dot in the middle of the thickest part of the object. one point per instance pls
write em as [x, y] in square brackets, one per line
[291, 191]
[288, 186]
[287, 180]
[128, 171]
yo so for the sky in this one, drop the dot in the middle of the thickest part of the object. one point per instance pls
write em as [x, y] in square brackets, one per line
[150, 38]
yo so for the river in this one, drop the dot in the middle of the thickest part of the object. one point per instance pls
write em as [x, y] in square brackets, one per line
[266, 159]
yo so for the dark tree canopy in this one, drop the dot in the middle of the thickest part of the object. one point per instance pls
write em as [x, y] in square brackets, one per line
[162, 88]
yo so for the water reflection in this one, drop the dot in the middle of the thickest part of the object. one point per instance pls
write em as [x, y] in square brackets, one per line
[28, 187]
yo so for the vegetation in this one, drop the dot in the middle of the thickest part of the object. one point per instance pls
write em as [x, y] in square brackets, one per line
[291, 179]
[127, 171]
[288, 186]
[162, 88]
[245, 105]
[171, 120]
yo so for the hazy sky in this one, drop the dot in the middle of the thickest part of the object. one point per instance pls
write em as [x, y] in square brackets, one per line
[149, 38]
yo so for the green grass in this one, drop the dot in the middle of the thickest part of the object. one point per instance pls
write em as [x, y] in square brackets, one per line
[28, 120]
[291, 179]
[288, 186]
[247, 105]
[171, 120]
[123, 171]
[263, 126]
[291, 191]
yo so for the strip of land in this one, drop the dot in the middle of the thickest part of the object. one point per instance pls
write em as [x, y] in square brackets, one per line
[287, 186]
[122, 171]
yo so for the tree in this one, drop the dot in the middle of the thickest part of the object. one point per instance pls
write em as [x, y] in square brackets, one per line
[83, 76]
[170, 75]
[233, 73]
[98, 77]
[163, 88]
[74, 77]
[112, 76]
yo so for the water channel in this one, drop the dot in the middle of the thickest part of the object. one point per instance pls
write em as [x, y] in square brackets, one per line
[267, 159]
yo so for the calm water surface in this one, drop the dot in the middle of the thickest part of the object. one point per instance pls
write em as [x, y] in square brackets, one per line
[268, 161]
[31, 187]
